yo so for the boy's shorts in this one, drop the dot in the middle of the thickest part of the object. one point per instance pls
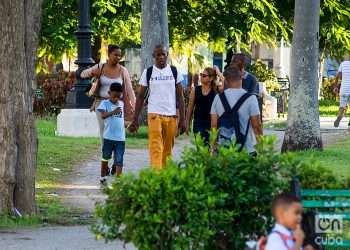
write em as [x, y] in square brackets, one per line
[344, 100]
[115, 147]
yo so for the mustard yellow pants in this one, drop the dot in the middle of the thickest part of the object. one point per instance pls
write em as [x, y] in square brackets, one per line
[161, 136]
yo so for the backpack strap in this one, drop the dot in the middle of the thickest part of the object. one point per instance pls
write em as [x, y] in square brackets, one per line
[235, 109]
[148, 78]
[174, 71]
[225, 103]
[149, 74]
[284, 238]
[240, 102]
[150, 70]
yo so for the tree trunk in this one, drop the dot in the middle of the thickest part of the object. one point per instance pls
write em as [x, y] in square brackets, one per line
[303, 129]
[19, 32]
[154, 28]
[154, 31]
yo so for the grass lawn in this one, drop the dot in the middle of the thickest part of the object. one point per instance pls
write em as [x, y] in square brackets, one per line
[275, 124]
[328, 108]
[334, 157]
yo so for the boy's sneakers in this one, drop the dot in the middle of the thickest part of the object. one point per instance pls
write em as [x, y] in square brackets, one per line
[103, 180]
[112, 170]
[337, 121]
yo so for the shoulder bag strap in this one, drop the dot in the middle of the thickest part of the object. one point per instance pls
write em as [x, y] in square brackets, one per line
[98, 79]
[103, 65]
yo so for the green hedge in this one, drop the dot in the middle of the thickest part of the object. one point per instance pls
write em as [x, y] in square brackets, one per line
[204, 201]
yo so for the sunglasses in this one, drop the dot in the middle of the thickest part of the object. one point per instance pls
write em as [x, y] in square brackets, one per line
[204, 75]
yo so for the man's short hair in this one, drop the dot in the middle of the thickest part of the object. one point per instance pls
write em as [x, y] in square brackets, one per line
[113, 47]
[240, 59]
[283, 200]
[232, 73]
[160, 46]
[239, 56]
[116, 86]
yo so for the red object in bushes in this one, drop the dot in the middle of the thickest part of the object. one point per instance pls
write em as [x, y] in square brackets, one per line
[53, 89]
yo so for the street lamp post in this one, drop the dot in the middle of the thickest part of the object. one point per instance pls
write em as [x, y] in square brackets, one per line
[77, 98]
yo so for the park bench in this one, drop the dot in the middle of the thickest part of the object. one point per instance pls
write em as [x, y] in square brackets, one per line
[332, 207]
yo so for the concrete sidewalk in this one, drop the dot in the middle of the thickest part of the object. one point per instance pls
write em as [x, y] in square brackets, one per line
[56, 238]
[327, 123]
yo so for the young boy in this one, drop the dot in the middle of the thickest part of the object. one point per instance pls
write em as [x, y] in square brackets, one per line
[287, 233]
[114, 131]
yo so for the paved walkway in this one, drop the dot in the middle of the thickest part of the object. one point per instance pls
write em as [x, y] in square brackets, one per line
[55, 238]
[82, 189]
[327, 123]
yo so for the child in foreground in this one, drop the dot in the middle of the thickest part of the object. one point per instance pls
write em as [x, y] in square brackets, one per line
[287, 233]
[114, 132]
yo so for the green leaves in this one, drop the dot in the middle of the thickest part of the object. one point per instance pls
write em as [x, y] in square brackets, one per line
[233, 23]
[334, 25]
[236, 22]
[115, 20]
[204, 201]
[152, 212]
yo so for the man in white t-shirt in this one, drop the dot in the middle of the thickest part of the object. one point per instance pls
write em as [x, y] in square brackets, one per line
[165, 92]
[344, 93]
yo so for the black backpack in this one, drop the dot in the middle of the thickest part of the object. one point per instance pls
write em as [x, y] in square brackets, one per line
[148, 77]
[228, 123]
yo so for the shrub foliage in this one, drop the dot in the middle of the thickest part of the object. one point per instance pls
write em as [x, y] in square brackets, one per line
[51, 92]
[204, 201]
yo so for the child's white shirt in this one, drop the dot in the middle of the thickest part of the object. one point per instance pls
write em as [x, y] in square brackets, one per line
[275, 241]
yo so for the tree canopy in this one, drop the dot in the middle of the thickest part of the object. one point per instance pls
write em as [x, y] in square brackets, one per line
[223, 23]
[117, 21]
[334, 25]
[238, 23]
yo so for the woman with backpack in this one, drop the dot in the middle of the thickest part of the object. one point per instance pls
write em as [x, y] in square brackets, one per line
[108, 73]
[200, 101]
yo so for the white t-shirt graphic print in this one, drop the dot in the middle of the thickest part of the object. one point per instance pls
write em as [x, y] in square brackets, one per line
[162, 95]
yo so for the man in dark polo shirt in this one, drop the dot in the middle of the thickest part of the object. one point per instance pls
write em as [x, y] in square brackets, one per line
[249, 82]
